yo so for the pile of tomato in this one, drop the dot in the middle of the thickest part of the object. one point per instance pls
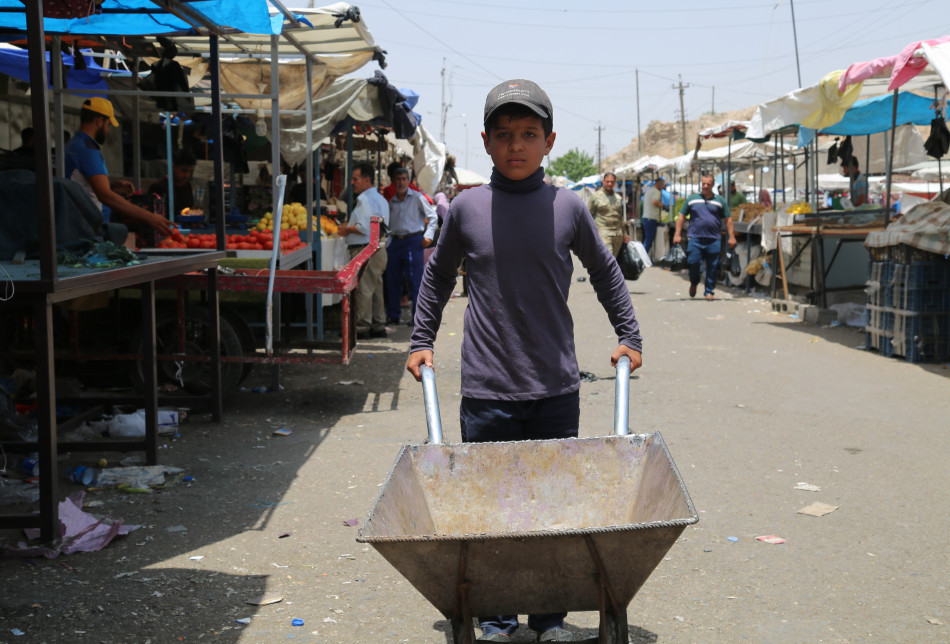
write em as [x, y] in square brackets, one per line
[289, 240]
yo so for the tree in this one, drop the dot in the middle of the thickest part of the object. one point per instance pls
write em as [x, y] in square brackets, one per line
[574, 165]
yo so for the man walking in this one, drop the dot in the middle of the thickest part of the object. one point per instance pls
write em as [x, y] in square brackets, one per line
[607, 208]
[705, 212]
[370, 310]
[652, 209]
[412, 227]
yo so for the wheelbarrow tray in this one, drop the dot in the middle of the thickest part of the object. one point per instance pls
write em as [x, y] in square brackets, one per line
[530, 526]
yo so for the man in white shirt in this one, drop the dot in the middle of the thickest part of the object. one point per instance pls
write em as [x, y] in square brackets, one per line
[370, 309]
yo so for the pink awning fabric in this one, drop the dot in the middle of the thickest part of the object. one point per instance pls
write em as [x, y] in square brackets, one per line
[903, 66]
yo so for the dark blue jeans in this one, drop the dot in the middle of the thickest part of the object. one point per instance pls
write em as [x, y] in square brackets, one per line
[707, 251]
[515, 420]
[405, 259]
[649, 232]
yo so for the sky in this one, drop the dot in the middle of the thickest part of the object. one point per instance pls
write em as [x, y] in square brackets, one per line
[588, 56]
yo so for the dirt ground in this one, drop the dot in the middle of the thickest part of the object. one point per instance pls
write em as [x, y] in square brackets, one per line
[750, 402]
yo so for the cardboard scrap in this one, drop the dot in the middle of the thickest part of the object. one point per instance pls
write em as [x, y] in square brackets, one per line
[264, 600]
[818, 509]
[770, 538]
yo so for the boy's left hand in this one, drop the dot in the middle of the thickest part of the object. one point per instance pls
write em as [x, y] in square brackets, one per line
[636, 360]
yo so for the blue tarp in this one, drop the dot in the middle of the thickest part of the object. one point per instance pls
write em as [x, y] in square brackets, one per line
[873, 115]
[16, 63]
[144, 17]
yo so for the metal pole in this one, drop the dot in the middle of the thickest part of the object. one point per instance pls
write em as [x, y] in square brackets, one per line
[137, 130]
[56, 57]
[639, 146]
[311, 240]
[890, 163]
[170, 209]
[430, 399]
[939, 165]
[782, 153]
[622, 398]
[798, 66]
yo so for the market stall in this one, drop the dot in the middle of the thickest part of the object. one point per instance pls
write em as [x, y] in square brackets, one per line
[43, 284]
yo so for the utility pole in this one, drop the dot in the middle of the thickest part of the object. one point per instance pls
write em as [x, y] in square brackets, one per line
[639, 146]
[714, 100]
[599, 130]
[682, 89]
[795, 37]
[445, 108]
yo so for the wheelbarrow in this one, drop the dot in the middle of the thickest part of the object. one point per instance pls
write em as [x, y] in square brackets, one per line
[530, 526]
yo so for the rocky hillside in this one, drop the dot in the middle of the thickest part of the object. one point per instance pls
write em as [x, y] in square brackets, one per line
[664, 137]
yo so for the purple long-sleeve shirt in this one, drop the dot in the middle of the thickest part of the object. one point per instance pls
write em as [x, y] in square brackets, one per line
[517, 238]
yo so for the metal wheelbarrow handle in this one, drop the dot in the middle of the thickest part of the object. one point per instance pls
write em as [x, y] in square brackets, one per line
[621, 401]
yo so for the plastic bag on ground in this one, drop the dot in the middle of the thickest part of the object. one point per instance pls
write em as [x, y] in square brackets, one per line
[128, 425]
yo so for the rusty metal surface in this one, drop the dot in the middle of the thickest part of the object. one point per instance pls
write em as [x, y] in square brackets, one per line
[527, 514]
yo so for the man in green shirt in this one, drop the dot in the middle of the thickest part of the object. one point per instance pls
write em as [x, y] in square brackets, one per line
[735, 197]
[606, 206]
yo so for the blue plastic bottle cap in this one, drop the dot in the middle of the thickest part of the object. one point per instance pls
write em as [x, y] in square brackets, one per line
[297, 622]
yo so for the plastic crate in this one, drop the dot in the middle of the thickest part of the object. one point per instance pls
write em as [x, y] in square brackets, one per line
[877, 340]
[921, 337]
[879, 284]
[880, 318]
[921, 287]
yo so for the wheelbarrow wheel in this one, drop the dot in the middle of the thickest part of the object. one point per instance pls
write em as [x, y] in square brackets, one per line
[193, 375]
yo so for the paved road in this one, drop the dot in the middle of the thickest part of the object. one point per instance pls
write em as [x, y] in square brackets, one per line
[750, 402]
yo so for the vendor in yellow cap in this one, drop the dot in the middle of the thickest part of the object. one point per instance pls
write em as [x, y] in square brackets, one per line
[85, 166]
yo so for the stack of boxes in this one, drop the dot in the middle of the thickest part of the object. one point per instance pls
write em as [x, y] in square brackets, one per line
[909, 306]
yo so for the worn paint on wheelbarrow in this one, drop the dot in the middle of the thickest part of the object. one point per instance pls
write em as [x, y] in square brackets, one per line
[530, 526]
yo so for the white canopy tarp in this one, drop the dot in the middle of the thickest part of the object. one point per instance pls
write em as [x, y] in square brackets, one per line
[469, 177]
[428, 157]
[647, 162]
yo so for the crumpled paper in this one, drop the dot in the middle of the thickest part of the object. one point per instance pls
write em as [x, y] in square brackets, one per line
[78, 532]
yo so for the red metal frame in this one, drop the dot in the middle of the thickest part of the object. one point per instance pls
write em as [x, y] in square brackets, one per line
[341, 283]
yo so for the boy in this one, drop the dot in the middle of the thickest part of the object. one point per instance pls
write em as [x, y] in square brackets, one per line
[520, 378]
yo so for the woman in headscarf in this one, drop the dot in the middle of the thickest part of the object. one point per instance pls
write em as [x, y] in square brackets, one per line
[765, 198]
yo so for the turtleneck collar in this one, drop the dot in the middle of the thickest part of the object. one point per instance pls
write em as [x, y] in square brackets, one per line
[500, 181]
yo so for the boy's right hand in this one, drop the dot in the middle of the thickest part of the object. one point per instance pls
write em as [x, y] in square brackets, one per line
[415, 362]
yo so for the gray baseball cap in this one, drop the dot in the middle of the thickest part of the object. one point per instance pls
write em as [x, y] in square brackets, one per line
[522, 92]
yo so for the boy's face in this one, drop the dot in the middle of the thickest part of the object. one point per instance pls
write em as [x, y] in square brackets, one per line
[517, 145]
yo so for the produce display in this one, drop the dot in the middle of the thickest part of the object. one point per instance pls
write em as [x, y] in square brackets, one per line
[748, 211]
[288, 240]
[293, 216]
[800, 208]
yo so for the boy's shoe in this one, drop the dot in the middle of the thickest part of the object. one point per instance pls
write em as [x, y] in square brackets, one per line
[495, 637]
[692, 290]
[378, 333]
[710, 297]
[556, 635]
